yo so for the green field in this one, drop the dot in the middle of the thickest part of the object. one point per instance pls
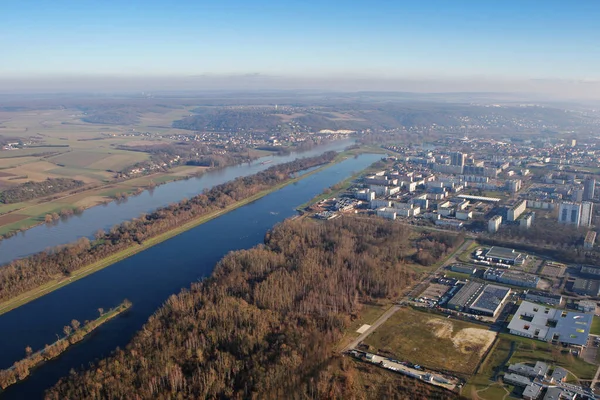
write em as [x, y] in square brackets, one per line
[435, 342]
[595, 329]
[525, 350]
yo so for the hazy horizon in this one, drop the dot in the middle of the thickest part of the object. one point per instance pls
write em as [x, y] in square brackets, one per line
[528, 48]
[525, 89]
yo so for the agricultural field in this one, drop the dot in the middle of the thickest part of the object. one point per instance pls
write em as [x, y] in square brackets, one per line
[61, 145]
[432, 341]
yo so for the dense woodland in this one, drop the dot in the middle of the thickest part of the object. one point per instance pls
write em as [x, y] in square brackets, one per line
[32, 190]
[265, 323]
[28, 273]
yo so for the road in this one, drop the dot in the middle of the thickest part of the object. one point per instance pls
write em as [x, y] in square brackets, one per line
[386, 315]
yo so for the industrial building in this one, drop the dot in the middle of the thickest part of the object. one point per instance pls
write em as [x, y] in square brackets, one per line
[511, 278]
[490, 300]
[590, 269]
[465, 296]
[551, 325]
[463, 269]
[543, 297]
[587, 306]
[504, 255]
[586, 287]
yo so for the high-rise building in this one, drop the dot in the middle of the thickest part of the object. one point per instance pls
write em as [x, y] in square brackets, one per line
[516, 210]
[587, 211]
[458, 159]
[494, 223]
[588, 189]
[569, 213]
[577, 195]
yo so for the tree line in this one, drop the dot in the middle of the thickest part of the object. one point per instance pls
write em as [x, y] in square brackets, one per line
[32, 190]
[28, 273]
[74, 332]
[265, 323]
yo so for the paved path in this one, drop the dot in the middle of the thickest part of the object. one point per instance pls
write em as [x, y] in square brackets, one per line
[386, 315]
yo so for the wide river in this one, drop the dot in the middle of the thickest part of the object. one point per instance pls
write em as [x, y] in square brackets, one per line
[147, 279]
[104, 217]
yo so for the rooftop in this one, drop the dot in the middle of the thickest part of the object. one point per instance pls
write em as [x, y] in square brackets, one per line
[502, 252]
[547, 323]
[490, 298]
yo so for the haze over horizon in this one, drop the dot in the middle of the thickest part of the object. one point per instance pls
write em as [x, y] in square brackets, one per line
[431, 46]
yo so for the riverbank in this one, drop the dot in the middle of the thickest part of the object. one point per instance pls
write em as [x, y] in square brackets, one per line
[340, 187]
[80, 273]
[73, 333]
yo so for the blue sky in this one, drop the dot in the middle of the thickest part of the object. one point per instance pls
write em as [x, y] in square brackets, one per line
[390, 39]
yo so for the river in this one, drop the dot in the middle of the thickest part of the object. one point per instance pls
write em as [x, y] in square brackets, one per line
[147, 279]
[106, 216]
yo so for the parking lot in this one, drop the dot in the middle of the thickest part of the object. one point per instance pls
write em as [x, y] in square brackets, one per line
[591, 350]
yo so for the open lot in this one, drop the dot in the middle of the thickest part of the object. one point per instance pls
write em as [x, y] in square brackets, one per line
[432, 341]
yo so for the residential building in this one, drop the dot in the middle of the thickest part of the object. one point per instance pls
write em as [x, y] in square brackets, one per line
[494, 223]
[590, 239]
[589, 187]
[569, 213]
[458, 159]
[387, 213]
[587, 212]
[516, 210]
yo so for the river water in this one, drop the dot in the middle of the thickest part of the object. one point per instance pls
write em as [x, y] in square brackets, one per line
[147, 279]
[42, 237]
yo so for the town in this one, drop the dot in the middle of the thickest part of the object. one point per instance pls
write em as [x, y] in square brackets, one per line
[502, 285]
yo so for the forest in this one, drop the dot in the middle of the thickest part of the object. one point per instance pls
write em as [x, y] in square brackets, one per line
[561, 242]
[30, 272]
[265, 323]
[32, 190]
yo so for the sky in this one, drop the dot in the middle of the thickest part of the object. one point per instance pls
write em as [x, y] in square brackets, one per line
[345, 40]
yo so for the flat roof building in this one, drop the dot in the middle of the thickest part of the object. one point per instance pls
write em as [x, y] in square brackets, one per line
[505, 255]
[490, 300]
[512, 278]
[551, 325]
[465, 296]
[543, 297]
[590, 239]
[586, 287]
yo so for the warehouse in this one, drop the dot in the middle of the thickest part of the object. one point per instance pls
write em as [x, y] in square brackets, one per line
[586, 287]
[490, 301]
[511, 278]
[543, 297]
[463, 269]
[465, 296]
[505, 255]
